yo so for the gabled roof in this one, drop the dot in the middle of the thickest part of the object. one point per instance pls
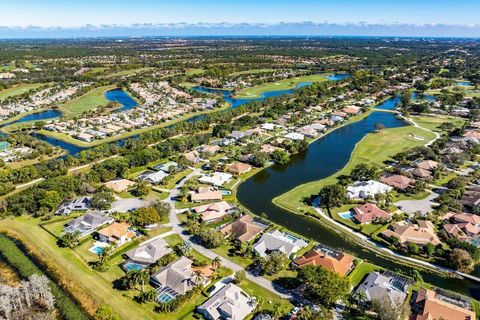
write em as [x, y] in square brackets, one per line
[230, 302]
[275, 240]
[369, 212]
[340, 263]
[150, 251]
[397, 181]
[244, 229]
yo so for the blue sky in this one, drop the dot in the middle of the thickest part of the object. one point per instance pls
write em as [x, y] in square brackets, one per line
[70, 13]
[70, 18]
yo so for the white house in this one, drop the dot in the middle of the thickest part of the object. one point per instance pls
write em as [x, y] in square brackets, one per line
[216, 179]
[364, 189]
[275, 240]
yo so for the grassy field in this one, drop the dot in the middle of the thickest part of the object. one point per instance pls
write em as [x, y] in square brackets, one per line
[374, 149]
[433, 123]
[252, 71]
[280, 85]
[360, 272]
[127, 72]
[86, 102]
[18, 89]
[193, 71]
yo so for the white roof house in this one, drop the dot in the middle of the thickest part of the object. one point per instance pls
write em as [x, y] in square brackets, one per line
[294, 136]
[276, 240]
[149, 252]
[216, 179]
[230, 302]
[82, 203]
[155, 177]
[364, 189]
[87, 223]
[382, 288]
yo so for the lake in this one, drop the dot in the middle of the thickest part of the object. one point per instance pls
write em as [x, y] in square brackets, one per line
[37, 116]
[120, 96]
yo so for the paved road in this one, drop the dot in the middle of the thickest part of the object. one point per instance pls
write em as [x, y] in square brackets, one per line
[423, 205]
[267, 284]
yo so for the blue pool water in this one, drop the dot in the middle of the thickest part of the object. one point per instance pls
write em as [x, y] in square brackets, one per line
[346, 215]
[97, 250]
[129, 265]
[164, 297]
[120, 96]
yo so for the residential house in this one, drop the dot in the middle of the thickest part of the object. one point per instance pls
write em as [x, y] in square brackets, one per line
[168, 166]
[383, 288]
[419, 234]
[230, 302]
[206, 194]
[294, 136]
[153, 177]
[213, 211]
[193, 156]
[352, 110]
[427, 165]
[463, 226]
[244, 229]
[420, 173]
[117, 233]
[119, 185]
[79, 204]
[149, 252]
[369, 212]
[87, 224]
[239, 168]
[365, 189]
[471, 198]
[210, 150]
[275, 240]
[430, 305]
[216, 179]
[333, 261]
[397, 181]
[175, 279]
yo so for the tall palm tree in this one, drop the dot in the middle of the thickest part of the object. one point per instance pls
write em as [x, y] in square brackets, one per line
[216, 263]
[197, 277]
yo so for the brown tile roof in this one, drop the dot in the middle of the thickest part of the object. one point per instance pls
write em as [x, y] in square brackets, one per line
[244, 229]
[340, 264]
[117, 230]
[206, 194]
[420, 234]
[369, 212]
[427, 165]
[397, 181]
[239, 168]
[433, 308]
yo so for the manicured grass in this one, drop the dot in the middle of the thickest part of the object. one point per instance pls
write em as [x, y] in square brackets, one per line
[253, 71]
[86, 102]
[280, 85]
[360, 272]
[403, 196]
[18, 90]
[267, 300]
[442, 181]
[432, 123]
[374, 149]
[193, 71]
[127, 72]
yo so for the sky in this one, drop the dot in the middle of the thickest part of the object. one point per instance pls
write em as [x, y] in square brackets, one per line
[129, 15]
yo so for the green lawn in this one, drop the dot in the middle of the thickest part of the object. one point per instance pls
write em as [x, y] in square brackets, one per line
[432, 123]
[252, 71]
[127, 72]
[193, 71]
[18, 90]
[267, 300]
[374, 149]
[280, 85]
[86, 102]
[360, 272]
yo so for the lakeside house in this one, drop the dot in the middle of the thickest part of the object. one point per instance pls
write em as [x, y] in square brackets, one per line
[463, 226]
[397, 181]
[333, 261]
[206, 194]
[213, 211]
[419, 234]
[243, 229]
[149, 252]
[239, 168]
[87, 223]
[275, 240]
[230, 302]
[119, 185]
[365, 189]
[175, 279]
[384, 288]
[79, 204]
[216, 179]
[369, 212]
[428, 304]
[116, 233]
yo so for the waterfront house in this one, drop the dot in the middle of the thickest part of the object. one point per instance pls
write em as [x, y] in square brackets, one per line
[117, 233]
[215, 179]
[239, 168]
[275, 240]
[175, 279]
[463, 226]
[352, 110]
[428, 304]
[365, 189]
[397, 181]
[119, 185]
[294, 136]
[333, 261]
[369, 212]
[213, 211]
[149, 252]
[419, 234]
[383, 288]
[87, 224]
[230, 302]
[206, 194]
[243, 229]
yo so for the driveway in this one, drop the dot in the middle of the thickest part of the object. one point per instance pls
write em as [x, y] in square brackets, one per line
[125, 205]
[424, 206]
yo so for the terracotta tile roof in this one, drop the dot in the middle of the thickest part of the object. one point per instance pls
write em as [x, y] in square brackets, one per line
[397, 181]
[239, 168]
[420, 234]
[340, 264]
[434, 308]
[244, 228]
[427, 165]
[369, 212]
[117, 230]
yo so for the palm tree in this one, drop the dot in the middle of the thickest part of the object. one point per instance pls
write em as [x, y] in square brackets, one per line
[143, 276]
[216, 263]
[197, 277]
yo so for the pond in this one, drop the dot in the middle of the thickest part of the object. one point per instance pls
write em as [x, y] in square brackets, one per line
[37, 116]
[323, 158]
[120, 96]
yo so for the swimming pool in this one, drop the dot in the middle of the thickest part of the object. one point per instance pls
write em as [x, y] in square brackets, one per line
[129, 265]
[225, 192]
[164, 298]
[96, 249]
[346, 215]
[291, 238]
